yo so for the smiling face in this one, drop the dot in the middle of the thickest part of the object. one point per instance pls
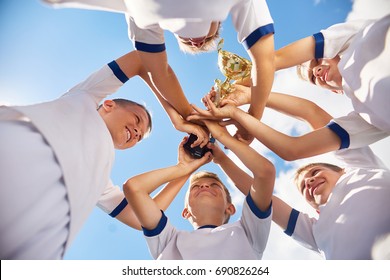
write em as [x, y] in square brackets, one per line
[207, 196]
[127, 124]
[200, 44]
[316, 182]
[323, 73]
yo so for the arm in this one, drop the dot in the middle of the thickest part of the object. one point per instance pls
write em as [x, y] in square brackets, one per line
[319, 141]
[281, 213]
[239, 177]
[163, 199]
[138, 188]
[295, 53]
[131, 64]
[262, 169]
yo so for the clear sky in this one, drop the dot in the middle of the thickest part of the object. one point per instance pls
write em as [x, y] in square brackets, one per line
[45, 51]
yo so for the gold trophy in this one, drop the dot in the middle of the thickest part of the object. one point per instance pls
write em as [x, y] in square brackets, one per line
[233, 67]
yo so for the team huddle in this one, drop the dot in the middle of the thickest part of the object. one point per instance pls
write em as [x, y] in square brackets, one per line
[60, 192]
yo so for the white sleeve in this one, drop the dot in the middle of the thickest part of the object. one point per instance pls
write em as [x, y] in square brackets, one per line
[98, 85]
[337, 38]
[112, 201]
[355, 132]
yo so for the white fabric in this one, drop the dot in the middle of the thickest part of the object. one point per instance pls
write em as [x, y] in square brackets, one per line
[360, 132]
[357, 213]
[81, 143]
[243, 239]
[364, 66]
[34, 209]
[147, 19]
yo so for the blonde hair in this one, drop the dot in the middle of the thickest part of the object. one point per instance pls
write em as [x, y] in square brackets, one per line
[208, 46]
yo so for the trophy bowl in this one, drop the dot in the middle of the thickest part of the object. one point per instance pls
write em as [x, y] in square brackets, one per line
[233, 67]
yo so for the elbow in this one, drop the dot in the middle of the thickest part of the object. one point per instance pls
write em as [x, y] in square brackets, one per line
[130, 188]
[265, 170]
[291, 154]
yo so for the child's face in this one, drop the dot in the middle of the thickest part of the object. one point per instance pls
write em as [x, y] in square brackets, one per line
[316, 183]
[324, 73]
[127, 127]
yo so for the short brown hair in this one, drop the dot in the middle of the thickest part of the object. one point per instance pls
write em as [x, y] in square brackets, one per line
[126, 102]
[313, 164]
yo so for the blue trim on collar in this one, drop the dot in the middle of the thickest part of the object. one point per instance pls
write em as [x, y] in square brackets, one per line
[119, 208]
[207, 226]
[341, 133]
[159, 228]
[151, 48]
[320, 44]
[118, 71]
[259, 214]
[257, 35]
[292, 221]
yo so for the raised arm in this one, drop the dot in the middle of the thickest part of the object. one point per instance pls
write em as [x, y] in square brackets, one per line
[132, 64]
[317, 142]
[295, 53]
[262, 169]
[138, 188]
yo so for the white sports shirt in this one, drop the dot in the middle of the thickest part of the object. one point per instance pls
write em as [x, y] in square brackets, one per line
[356, 215]
[243, 239]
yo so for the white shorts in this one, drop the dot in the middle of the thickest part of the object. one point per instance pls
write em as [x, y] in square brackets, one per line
[34, 209]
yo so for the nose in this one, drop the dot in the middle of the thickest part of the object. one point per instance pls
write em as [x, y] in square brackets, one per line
[197, 42]
[137, 133]
[317, 71]
[204, 186]
[309, 182]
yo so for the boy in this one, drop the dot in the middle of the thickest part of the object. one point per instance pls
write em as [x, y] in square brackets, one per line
[56, 160]
[352, 201]
[207, 208]
[196, 25]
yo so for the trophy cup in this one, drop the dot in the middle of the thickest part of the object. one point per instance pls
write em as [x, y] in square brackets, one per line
[233, 67]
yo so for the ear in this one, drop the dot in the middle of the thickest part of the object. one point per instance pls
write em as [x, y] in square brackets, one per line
[109, 105]
[231, 209]
[185, 213]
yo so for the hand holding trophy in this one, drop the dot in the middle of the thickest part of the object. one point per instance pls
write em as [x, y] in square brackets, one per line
[233, 67]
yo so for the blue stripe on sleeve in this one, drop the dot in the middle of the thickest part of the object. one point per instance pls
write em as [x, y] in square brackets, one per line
[119, 208]
[341, 133]
[257, 34]
[159, 228]
[259, 214]
[319, 48]
[292, 221]
[151, 48]
[118, 71]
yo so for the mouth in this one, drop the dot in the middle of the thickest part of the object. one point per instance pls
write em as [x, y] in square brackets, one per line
[314, 188]
[128, 135]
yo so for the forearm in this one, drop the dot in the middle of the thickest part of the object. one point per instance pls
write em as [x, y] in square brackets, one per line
[299, 108]
[239, 177]
[165, 81]
[165, 197]
[262, 76]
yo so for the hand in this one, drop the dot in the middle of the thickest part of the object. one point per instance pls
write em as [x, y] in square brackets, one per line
[240, 96]
[212, 112]
[217, 153]
[186, 160]
[216, 130]
[189, 127]
[242, 134]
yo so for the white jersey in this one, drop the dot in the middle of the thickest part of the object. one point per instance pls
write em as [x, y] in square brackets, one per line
[147, 19]
[81, 143]
[243, 239]
[356, 215]
[364, 66]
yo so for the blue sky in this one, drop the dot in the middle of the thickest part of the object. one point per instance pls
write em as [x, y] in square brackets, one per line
[45, 51]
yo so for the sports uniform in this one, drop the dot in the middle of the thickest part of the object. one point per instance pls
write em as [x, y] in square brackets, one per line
[243, 239]
[363, 48]
[356, 215]
[147, 19]
[55, 167]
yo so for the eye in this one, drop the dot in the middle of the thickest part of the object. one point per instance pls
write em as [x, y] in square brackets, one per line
[194, 187]
[315, 171]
